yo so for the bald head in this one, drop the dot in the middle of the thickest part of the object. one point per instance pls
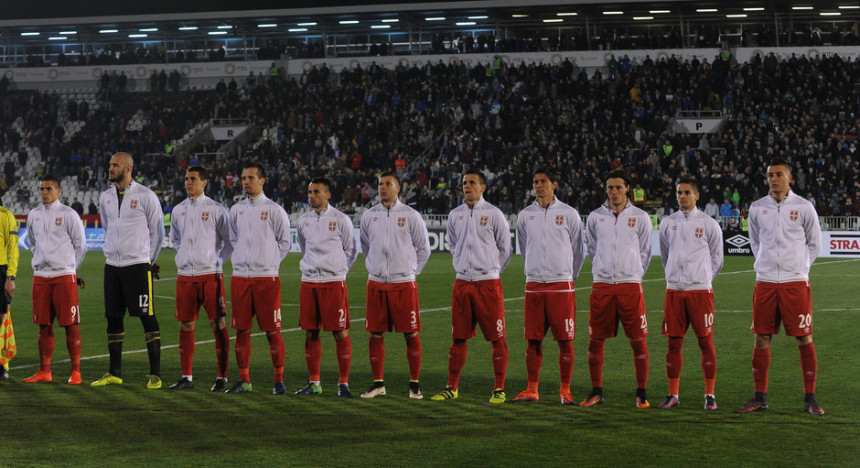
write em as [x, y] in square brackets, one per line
[119, 169]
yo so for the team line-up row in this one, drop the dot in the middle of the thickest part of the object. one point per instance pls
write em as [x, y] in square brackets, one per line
[255, 235]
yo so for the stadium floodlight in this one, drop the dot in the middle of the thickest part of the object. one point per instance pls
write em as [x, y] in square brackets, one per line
[108, 31]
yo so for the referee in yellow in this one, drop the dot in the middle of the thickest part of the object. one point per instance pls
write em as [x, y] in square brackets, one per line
[8, 265]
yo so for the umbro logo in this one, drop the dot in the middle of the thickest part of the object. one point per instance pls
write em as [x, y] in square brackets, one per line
[738, 240]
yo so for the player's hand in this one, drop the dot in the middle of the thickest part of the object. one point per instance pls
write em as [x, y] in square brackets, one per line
[156, 271]
[81, 283]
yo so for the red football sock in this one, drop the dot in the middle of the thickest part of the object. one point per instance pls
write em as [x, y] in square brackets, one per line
[186, 351]
[377, 358]
[456, 361]
[674, 358]
[344, 358]
[243, 354]
[640, 362]
[413, 355]
[595, 362]
[313, 356]
[276, 349]
[46, 347]
[760, 365]
[809, 366]
[565, 363]
[73, 343]
[709, 362]
[222, 350]
[500, 362]
[534, 360]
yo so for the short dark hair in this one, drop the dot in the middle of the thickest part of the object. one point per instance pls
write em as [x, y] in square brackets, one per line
[546, 171]
[261, 169]
[200, 170]
[478, 173]
[324, 181]
[51, 178]
[618, 173]
[688, 180]
[390, 174]
[780, 161]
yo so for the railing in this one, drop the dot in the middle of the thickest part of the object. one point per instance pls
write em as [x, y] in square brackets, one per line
[230, 122]
[698, 114]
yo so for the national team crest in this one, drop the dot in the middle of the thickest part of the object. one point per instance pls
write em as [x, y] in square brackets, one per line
[794, 214]
[700, 232]
[631, 222]
[204, 216]
[332, 225]
[58, 221]
[401, 221]
[132, 204]
[484, 220]
[559, 220]
[264, 215]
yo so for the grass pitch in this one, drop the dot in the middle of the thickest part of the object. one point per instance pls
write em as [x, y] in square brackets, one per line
[126, 425]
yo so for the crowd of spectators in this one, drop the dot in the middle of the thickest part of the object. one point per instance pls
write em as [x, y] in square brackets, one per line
[442, 119]
[434, 122]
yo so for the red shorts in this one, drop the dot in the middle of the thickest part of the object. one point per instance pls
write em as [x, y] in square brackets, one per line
[256, 296]
[685, 308]
[613, 302]
[550, 306]
[195, 291]
[56, 297]
[392, 307]
[323, 306]
[789, 303]
[478, 302]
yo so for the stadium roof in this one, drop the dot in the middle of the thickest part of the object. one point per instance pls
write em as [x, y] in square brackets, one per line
[31, 22]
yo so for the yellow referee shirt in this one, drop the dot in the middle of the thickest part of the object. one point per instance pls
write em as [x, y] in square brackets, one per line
[9, 241]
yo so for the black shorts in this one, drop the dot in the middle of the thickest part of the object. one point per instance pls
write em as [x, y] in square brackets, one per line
[5, 298]
[128, 287]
